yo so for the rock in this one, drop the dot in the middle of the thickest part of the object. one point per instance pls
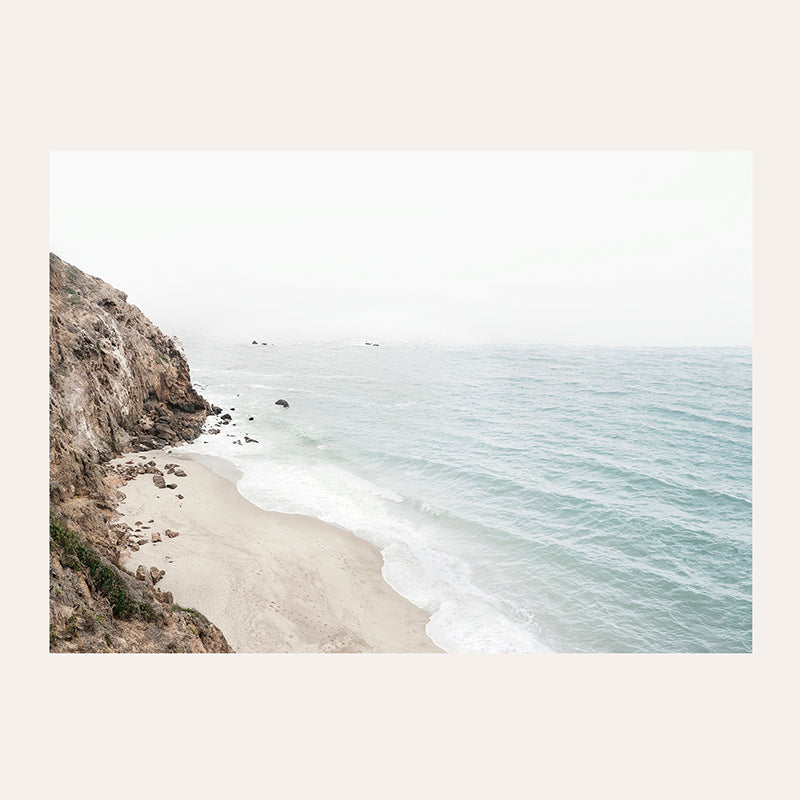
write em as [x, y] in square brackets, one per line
[57, 493]
[172, 486]
[156, 574]
[155, 536]
[164, 432]
[179, 473]
[179, 496]
[141, 573]
[282, 403]
[166, 598]
[250, 419]
[214, 431]
[215, 410]
[138, 524]
[254, 342]
[171, 534]
[159, 481]
[248, 439]
[147, 442]
[226, 416]
[117, 385]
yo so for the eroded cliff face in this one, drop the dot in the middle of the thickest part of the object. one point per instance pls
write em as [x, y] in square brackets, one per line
[117, 384]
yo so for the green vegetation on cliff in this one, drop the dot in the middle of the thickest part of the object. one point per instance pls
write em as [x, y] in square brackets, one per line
[106, 580]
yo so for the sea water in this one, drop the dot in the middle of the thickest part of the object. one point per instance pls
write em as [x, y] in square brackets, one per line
[532, 499]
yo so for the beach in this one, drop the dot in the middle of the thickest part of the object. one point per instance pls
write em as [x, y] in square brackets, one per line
[272, 582]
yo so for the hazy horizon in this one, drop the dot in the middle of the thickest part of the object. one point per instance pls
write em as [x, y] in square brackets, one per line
[572, 248]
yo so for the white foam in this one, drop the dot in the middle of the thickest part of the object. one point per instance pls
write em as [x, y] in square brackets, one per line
[420, 560]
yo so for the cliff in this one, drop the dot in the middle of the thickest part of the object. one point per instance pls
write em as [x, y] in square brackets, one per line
[117, 384]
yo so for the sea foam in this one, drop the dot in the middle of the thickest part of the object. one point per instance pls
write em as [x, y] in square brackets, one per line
[531, 499]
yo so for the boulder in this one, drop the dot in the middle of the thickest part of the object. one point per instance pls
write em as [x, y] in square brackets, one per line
[282, 403]
[151, 442]
[155, 536]
[164, 432]
[159, 481]
[141, 573]
[57, 493]
[179, 473]
[172, 486]
[171, 534]
[226, 416]
[156, 574]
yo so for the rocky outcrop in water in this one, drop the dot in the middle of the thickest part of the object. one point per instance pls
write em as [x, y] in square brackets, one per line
[117, 384]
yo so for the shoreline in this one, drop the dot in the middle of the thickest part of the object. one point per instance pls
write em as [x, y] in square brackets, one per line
[272, 582]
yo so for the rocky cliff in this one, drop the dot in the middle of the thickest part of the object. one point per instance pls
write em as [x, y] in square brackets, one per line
[117, 384]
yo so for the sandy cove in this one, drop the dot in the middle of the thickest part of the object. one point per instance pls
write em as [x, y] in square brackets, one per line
[272, 582]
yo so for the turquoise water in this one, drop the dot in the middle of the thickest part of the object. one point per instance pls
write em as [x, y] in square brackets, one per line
[532, 499]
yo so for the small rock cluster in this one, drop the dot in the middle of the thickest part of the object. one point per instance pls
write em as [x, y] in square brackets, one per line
[227, 419]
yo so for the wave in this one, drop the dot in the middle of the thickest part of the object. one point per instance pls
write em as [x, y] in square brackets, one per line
[705, 418]
[593, 505]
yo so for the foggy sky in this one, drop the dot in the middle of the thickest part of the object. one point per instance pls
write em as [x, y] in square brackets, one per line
[571, 248]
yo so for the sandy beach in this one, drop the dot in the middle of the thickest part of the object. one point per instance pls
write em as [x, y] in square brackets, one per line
[272, 582]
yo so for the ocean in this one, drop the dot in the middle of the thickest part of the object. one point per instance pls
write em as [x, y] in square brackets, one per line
[531, 498]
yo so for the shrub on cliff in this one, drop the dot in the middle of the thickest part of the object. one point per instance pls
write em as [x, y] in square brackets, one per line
[106, 580]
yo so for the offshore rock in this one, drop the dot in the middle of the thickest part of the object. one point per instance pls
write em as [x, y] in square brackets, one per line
[282, 403]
